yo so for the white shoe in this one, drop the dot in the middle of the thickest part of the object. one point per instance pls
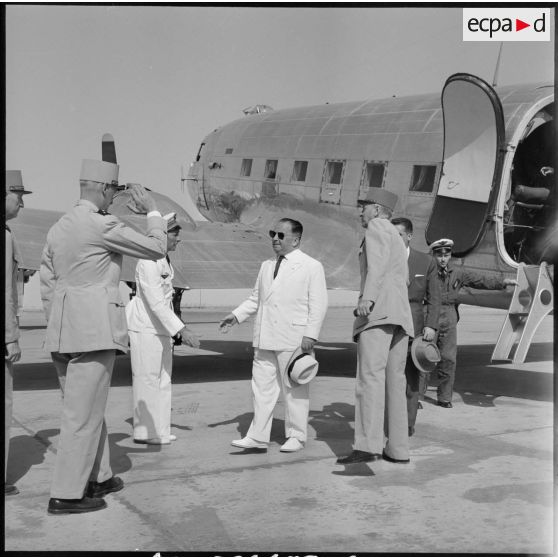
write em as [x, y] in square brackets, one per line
[292, 444]
[172, 438]
[249, 443]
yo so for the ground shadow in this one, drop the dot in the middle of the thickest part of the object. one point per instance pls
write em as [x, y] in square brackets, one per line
[243, 422]
[26, 451]
[333, 426]
[120, 461]
[476, 380]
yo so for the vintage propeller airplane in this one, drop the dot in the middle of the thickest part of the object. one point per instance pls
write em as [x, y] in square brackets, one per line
[477, 168]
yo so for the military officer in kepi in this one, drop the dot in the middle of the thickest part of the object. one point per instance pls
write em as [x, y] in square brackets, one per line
[86, 327]
[14, 202]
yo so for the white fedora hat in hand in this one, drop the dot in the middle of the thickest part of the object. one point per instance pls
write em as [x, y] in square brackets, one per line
[301, 368]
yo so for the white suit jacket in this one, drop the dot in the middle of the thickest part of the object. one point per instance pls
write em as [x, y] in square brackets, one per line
[80, 272]
[150, 311]
[289, 307]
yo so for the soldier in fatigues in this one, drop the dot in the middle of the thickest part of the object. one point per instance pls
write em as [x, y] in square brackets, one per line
[86, 326]
[451, 280]
[14, 202]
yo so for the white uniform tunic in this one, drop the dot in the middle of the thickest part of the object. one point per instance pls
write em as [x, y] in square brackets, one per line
[151, 325]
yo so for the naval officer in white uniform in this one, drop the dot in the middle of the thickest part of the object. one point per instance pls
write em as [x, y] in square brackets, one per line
[152, 324]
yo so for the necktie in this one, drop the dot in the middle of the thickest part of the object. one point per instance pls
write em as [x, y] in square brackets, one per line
[279, 260]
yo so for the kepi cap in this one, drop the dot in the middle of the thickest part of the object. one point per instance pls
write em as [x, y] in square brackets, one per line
[380, 196]
[14, 182]
[301, 368]
[100, 171]
[425, 354]
[445, 244]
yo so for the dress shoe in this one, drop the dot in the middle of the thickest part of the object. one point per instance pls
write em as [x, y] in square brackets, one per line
[411, 431]
[84, 505]
[10, 490]
[419, 405]
[393, 460]
[292, 444]
[249, 443]
[445, 404]
[358, 456]
[152, 441]
[100, 489]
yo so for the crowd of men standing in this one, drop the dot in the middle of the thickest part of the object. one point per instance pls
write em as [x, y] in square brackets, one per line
[404, 295]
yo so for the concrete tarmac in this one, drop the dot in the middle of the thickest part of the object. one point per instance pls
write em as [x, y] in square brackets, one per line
[480, 478]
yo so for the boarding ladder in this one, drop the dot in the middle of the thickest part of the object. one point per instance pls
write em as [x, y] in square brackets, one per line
[532, 301]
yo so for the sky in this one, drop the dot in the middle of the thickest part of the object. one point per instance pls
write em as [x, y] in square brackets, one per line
[160, 78]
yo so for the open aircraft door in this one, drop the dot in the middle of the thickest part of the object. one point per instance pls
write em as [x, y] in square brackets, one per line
[474, 141]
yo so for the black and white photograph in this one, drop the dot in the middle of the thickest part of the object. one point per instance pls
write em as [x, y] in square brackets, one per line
[279, 279]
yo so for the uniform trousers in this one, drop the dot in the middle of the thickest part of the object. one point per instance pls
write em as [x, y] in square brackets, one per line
[447, 345]
[151, 358]
[381, 408]
[83, 450]
[267, 383]
[416, 382]
[8, 391]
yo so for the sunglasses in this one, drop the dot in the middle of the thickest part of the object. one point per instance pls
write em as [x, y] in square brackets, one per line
[280, 235]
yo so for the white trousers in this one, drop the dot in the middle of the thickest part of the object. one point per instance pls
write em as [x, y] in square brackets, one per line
[267, 383]
[151, 357]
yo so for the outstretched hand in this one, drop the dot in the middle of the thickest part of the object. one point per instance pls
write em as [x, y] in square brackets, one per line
[227, 322]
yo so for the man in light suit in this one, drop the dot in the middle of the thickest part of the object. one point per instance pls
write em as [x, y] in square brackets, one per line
[290, 304]
[86, 326]
[425, 299]
[14, 202]
[152, 324]
[381, 329]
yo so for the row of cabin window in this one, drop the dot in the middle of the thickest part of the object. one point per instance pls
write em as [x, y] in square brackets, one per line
[373, 175]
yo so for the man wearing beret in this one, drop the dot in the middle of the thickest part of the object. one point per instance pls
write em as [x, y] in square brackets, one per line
[382, 327]
[86, 326]
[451, 279]
[424, 298]
[14, 202]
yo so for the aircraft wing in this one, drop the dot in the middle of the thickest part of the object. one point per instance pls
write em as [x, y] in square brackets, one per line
[30, 229]
[210, 255]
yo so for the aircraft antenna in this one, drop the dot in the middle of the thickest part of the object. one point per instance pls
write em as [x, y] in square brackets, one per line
[495, 79]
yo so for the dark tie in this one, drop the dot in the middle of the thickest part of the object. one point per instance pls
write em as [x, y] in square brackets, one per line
[279, 260]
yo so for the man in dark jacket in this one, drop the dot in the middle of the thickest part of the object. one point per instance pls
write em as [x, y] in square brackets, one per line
[451, 279]
[425, 299]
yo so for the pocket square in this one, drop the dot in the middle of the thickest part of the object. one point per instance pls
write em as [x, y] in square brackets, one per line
[419, 275]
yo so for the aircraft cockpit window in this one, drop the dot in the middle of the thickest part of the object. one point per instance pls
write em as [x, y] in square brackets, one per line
[270, 169]
[299, 171]
[423, 178]
[246, 168]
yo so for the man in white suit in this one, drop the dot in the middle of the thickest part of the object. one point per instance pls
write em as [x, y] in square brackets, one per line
[14, 202]
[86, 326]
[290, 303]
[152, 324]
